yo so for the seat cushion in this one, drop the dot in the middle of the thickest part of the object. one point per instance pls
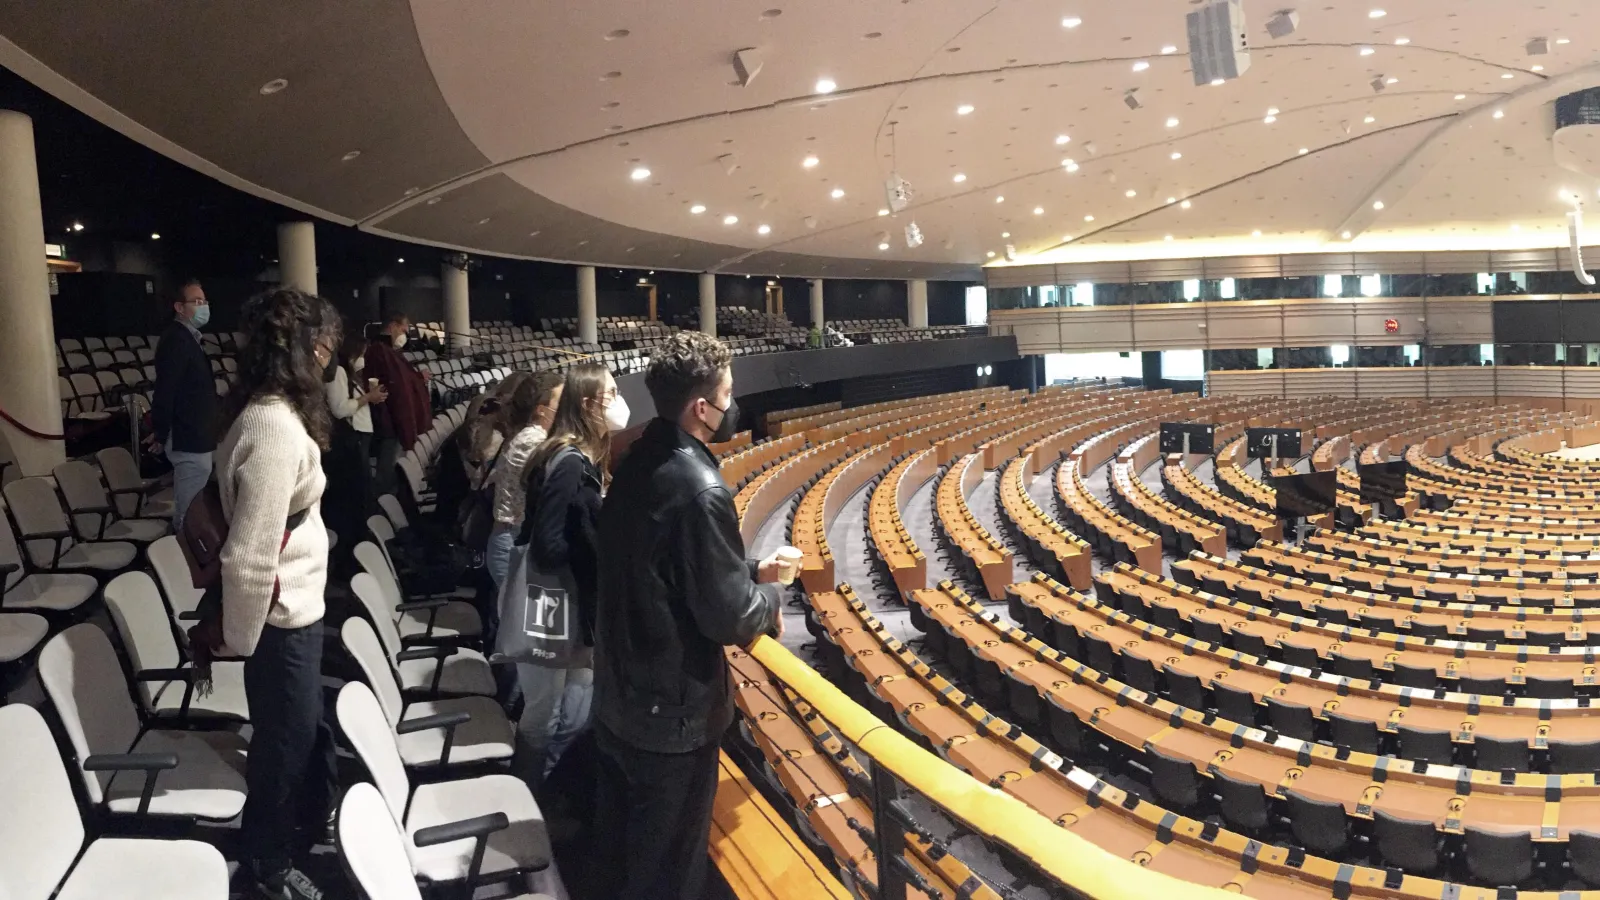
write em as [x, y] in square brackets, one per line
[207, 784]
[454, 620]
[524, 845]
[139, 869]
[54, 592]
[226, 699]
[465, 672]
[104, 556]
[19, 634]
[140, 531]
[488, 736]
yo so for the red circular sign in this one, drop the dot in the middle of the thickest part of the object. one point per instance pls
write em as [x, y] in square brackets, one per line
[1391, 325]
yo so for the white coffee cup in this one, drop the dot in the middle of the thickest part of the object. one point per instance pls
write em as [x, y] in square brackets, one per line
[372, 384]
[789, 564]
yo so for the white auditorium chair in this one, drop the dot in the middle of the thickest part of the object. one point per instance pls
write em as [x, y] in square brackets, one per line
[164, 681]
[431, 669]
[433, 619]
[70, 345]
[126, 769]
[443, 731]
[22, 589]
[88, 404]
[20, 634]
[94, 516]
[523, 846]
[42, 852]
[177, 585]
[136, 497]
[47, 534]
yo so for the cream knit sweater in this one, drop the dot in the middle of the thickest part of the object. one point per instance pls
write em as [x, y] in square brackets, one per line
[268, 467]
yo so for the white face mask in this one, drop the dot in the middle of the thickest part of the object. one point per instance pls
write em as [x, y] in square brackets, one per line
[617, 414]
[359, 364]
[400, 341]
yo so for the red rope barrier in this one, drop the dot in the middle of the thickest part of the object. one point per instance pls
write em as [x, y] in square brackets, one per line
[36, 435]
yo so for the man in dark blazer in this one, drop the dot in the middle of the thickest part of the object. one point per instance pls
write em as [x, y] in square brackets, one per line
[185, 406]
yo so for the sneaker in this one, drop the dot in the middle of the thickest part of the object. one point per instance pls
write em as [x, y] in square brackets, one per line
[290, 884]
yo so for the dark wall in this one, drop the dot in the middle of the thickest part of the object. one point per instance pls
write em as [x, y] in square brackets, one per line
[947, 302]
[863, 300]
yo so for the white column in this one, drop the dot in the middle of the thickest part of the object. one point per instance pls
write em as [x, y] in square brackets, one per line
[297, 256]
[917, 303]
[588, 320]
[29, 392]
[457, 308]
[708, 303]
[816, 303]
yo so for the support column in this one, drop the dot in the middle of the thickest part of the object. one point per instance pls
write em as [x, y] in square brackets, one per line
[817, 320]
[917, 303]
[297, 256]
[708, 303]
[29, 392]
[457, 307]
[588, 319]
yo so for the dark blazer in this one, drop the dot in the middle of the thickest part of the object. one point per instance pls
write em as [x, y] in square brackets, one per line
[184, 410]
[674, 589]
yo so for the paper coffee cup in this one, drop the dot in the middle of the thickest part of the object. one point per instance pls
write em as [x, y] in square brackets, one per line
[372, 384]
[789, 561]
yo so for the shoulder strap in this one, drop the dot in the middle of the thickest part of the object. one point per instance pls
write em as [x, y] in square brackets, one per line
[488, 470]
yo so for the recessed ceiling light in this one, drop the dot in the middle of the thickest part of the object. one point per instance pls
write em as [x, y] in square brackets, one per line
[764, 229]
[1256, 233]
[1167, 238]
[1038, 210]
[401, 260]
[810, 162]
[964, 109]
[826, 86]
[1377, 204]
[274, 86]
[1088, 218]
[154, 236]
[883, 212]
[1515, 227]
[1000, 199]
[1169, 49]
[1005, 234]
[412, 190]
[730, 219]
[1304, 150]
[1172, 122]
[1272, 110]
[1537, 68]
[1345, 235]
[1499, 114]
[1141, 65]
[1391, 80]
[433, 200]
[958, 178]
[697, 209]
[1171, 200]
[991, 254]
[883, 245]
[1370, 119]
[1177, 155]
[1270, 119]
[1402, 41]
[1066, 237]
[1069, 165]
[1563, 40]
[1507, 75]
[1070, 22]
[351, 155]
[1062, 139]
[836, 193]
[1217, 82]
[1461, 96]
[1130, 193]
[1185, 204]
[1377, 14]
[1367, 51]
[639, 174]
[484, 220]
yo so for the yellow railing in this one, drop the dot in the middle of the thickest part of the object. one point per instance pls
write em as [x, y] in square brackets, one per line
[999, 817]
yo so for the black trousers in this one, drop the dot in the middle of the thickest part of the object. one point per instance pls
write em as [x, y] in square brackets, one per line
[387, 478]
[290, 769]
[348, 499]
[652, 820]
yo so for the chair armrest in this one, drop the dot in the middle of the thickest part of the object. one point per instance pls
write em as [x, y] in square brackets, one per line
[420, 605]
[186, 676]
[6, 568]
[57, 536]
[478, 828]
[430, 652]
[152, 764]
[448, 721]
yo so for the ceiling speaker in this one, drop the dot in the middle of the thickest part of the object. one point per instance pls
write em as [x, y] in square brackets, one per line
[1217, 44]
[1283, 23]
[747, 65]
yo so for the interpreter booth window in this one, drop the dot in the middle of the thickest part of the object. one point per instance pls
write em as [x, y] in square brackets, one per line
[1183, 365]
[977, 305]
[1458, 355]
[1340, 354]
[1081, 294]
[1065, 367]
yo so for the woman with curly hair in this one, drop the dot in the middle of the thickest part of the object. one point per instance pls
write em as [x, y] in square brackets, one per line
[274, 571]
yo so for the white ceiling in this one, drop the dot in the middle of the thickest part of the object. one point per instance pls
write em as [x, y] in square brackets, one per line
[566, 99]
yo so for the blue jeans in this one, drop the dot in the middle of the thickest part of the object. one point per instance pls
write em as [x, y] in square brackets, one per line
[555, 710]
[190, 472]
[497, 556]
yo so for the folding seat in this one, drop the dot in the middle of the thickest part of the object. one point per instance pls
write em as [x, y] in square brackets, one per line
[434, 669]
[1176, 782]
[1499, 858]
[1320, 827]
[1243, 804]
[94, 517]
[432, 619]
[523, 846]
[1424, 744]
[1583, 853]
[77, 362]
[89, 403]
[135, 496]
[70, 345]
[46, 533]
[1360, 735]
[172, 570]
[1574, 757]
[165, 682]
[1208, 631]
[193, 774]
[1501, 754]
[93, 343]
[1411, 845]
[1414, 676]
[1234, 704]
[1292, 719]
[23, 589]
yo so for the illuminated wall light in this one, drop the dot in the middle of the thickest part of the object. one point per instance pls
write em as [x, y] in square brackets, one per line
[1370, 119]
[697, 209]
[1069, 165]
[1304, 151]
[1537, 68]
[964, 109]
[1507, 75]
[1088, 218]
[154, 236]
[1461, 96]
[1068, 22]
[1563, 40]
[883, 245]
[1272, 110]
[1005, 234]
[1171, 200]
[826, 86]
[1391, 80]
[1269, 120]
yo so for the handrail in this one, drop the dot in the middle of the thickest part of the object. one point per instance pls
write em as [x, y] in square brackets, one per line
[1060, 854]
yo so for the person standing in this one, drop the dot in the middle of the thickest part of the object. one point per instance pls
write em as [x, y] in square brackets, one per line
[408, 411]
[675, 590]
[524, 423]
[183, 411]
[274, 572]
[349, 499]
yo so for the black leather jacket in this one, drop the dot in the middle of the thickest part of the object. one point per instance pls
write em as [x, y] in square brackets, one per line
[674, 589]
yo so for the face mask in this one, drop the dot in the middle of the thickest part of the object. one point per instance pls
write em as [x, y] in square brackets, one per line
[400, 341]
[730, 419]
[202, 315]
[617, 414]
[359, 364]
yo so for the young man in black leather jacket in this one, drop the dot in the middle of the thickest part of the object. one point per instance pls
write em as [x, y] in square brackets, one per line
[675, 588]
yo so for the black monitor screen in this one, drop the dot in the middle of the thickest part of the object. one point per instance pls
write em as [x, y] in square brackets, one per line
[1382, 481]
[1300, 496]
[1258, 443]
[1202, 438]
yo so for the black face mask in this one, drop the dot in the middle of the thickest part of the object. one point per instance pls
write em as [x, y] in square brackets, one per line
[730, 420]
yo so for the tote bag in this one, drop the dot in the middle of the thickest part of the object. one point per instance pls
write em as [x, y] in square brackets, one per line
[539, 617]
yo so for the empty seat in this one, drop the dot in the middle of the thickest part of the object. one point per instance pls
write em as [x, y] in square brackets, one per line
[20, 633]
[135, 495]
[1352, 667]
[94, 516]
[1499, 858]
[1298, 655]
[1414, 676]
[1320, 827]
[1501, 754]
[165, 683]
[1424, 744]
[1291, 719]
[1175, 781]
[23, 589]
[1413, 845]
[1184, 689]
[1583, 852]
[1548, 688]
[1243, 804]
[432, 669]
[1573, 757]
[47, 534]
[1360, 735]
[441, 619]
[42, 852]
[1234, 704]
[1487, 687]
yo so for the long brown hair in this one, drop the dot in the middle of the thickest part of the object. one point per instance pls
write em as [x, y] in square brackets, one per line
[577, 424]
[481, 429]
[282, 328]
